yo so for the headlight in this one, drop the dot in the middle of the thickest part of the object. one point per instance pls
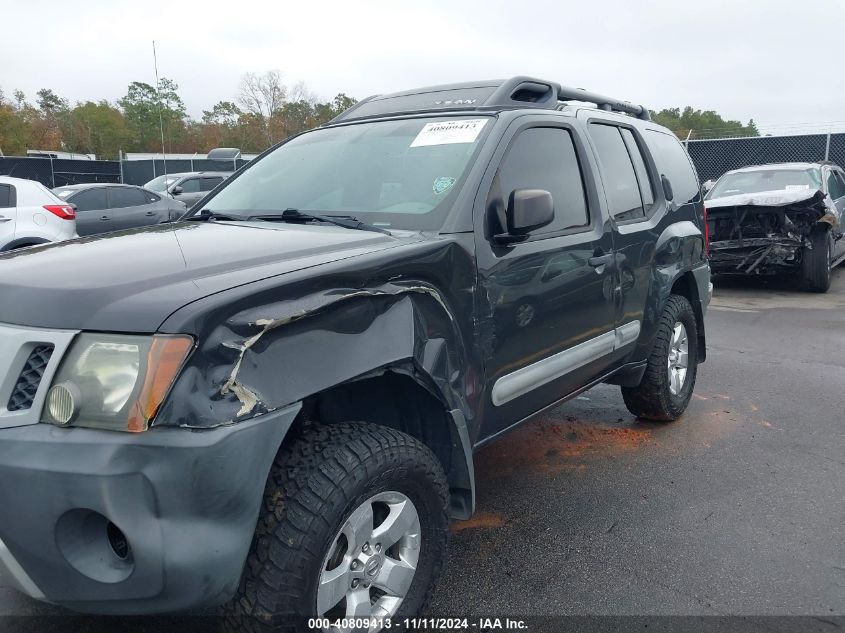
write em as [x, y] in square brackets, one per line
[112, 381]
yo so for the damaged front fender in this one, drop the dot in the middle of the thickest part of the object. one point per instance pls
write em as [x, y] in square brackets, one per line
[262, 358]
[373, 337]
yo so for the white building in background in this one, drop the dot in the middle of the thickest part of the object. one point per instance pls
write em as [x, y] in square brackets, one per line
[48, 153]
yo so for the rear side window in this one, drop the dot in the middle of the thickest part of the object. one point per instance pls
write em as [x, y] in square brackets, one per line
[192, 185]
[545, 158]
[646, 186]
[5, 196]
[620, 180]
[674, 163]
[91, 200]
[208, 184]
[121, 197]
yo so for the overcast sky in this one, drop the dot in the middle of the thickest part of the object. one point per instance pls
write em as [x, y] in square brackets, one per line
[777, 61]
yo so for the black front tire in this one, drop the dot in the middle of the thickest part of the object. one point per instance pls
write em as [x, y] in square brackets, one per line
[653, 399]
[317, 481]
[816, 262]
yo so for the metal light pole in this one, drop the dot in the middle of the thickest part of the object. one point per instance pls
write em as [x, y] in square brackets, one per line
[160, 120]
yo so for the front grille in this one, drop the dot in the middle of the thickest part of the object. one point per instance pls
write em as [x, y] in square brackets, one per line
[24, 392]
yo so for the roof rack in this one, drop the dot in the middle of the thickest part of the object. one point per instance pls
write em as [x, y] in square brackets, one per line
[516, 92]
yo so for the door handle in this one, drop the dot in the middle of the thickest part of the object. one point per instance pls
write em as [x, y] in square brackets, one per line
[5, 219]
[150, 213]
[105, 218]
[600, 260]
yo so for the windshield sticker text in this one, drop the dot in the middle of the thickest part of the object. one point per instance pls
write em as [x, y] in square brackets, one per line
[447, 132]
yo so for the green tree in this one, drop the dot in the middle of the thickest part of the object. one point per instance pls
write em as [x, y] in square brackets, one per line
[702, 124]
[14, 132]
[223, 113]
[141, 108]
[49, 121]
[50, 103]
[23, 126]
[96, 128]
[329, 110]
[267, 111]
[219, 127]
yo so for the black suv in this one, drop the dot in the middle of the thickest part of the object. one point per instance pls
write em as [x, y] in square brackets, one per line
[274, 403]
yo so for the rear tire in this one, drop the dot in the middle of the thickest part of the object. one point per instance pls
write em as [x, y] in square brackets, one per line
[317, 487]
[816, 262]
[656, 397]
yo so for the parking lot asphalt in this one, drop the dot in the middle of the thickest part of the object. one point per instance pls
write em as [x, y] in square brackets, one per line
[737, 508]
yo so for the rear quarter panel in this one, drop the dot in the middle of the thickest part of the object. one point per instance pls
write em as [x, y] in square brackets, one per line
[33, 221]
[679, 246]
[652, 254]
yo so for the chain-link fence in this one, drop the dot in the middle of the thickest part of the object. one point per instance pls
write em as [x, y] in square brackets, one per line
[713, 157]
[56, 172]
[138, 172]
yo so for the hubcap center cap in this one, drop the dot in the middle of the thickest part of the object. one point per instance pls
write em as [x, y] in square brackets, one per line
[373, 565]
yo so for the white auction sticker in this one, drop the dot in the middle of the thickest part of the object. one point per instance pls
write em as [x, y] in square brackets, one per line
[446, 132]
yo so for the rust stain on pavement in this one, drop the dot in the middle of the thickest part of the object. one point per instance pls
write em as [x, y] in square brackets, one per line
[551, 446]
[480, 520]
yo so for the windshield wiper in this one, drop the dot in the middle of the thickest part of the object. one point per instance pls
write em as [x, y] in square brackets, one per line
[294, 215]
[207, 216]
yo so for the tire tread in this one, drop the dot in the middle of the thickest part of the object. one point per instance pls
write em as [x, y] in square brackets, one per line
[816, 263]
[651, 399]
[314, 473]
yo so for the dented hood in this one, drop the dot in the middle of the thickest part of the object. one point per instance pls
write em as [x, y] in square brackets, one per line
[777, 198]
[131, 281]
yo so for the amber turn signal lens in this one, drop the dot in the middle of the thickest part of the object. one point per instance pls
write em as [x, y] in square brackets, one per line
[164, 360]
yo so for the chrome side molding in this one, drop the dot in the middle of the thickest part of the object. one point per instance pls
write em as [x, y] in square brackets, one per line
[544, 371]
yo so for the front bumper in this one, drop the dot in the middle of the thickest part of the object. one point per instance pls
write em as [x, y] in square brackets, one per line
[187, 502]
[759, 256]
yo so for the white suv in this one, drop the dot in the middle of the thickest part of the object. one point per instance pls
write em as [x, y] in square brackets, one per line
[31, 214]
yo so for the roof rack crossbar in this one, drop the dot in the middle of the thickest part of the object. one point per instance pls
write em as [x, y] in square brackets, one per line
[516, 92]
[603, 103]
[540, 93]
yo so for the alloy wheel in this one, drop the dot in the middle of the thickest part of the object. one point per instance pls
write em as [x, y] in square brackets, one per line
[372, 560]
[678, 361]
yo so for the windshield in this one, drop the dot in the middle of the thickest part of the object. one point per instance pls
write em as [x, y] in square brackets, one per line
[766, 180]
[161, 183]
[393, 174]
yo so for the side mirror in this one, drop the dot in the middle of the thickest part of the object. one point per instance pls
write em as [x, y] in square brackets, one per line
[176, 190]
[667, 188]
[528, 210]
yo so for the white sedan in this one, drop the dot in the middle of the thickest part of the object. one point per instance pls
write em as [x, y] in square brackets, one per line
[31, 214]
